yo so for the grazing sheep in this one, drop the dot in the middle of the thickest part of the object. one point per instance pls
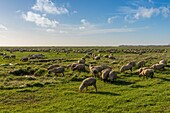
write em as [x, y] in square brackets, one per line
[132, 63]
[53, 66]
[96, 58]
[82, 61]
[126, 67]
[24, 59]
[141, 69]
[97, 69]
[93, 70]
[57, 70]
[88, 82]
[13, 56]
[141, 64]
[6, 57]
[106, 56]
[147, 73]
[79, 67]
[71, 65]
[105, 74]
[112, 75]
[111, 57]
[158, 66]
[163, 62]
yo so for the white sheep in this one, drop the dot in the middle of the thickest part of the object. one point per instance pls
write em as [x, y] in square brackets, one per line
[105, 74]
[112, 75]
[57, 70]
[162, 62]
[126, 67]
[79, 67]
[81, 61]
[141, 69]
[147, 73]
[158, 66]
[88, 82]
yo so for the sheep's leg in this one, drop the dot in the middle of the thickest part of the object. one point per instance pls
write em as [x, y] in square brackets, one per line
[95, 87]
[86, 89]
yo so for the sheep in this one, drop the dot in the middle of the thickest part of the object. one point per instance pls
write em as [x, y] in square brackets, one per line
[162, 62]
[57, 70]
[93, 70]
[141, 69]
[96, 58]
[82, 61]
[105, 74]
[88, 82]
[111, 57]
[133, 63]
[141, 64]
[126, 67]
[53, 66]
[106, 56]
[147, 73]
[112, 75]
[158, 66]
[71, 65]
[13, 56]
[6, 57]
[24, 59]
[79, 67]
[97, 69]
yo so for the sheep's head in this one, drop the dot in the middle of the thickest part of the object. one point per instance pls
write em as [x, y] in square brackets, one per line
[81, 87]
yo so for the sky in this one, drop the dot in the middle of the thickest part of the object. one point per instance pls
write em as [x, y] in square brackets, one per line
[84, 22]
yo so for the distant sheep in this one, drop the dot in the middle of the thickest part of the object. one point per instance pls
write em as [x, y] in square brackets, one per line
[82, 61]
[57, 70]
[96, 58]
[71, 65]
[79, 67]
[163, 62]
[53, 66]
[88, 82]
[141, 69]
[133, 63]
[147, 73]
[24, 59]
[141, 64]
[158, 66]
[126, 67]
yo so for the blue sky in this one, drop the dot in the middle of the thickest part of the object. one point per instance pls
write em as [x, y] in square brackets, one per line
[84, 22]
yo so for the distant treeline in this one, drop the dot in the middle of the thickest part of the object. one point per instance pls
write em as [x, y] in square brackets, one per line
[144, 46]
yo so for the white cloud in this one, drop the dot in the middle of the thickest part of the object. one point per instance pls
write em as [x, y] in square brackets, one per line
[2, 27]
[84, 22]
[40, 20]
[143, 12]
[111, 19]
[132, 15]
[165, 11]
[50, 30]
[49, 7]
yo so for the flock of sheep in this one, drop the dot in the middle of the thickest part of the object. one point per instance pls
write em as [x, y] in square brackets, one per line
[104, 72]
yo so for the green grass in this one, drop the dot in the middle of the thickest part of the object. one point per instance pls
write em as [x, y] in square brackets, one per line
[40, 92]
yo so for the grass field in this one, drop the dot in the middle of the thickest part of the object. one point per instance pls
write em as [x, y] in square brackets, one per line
[36, 91]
